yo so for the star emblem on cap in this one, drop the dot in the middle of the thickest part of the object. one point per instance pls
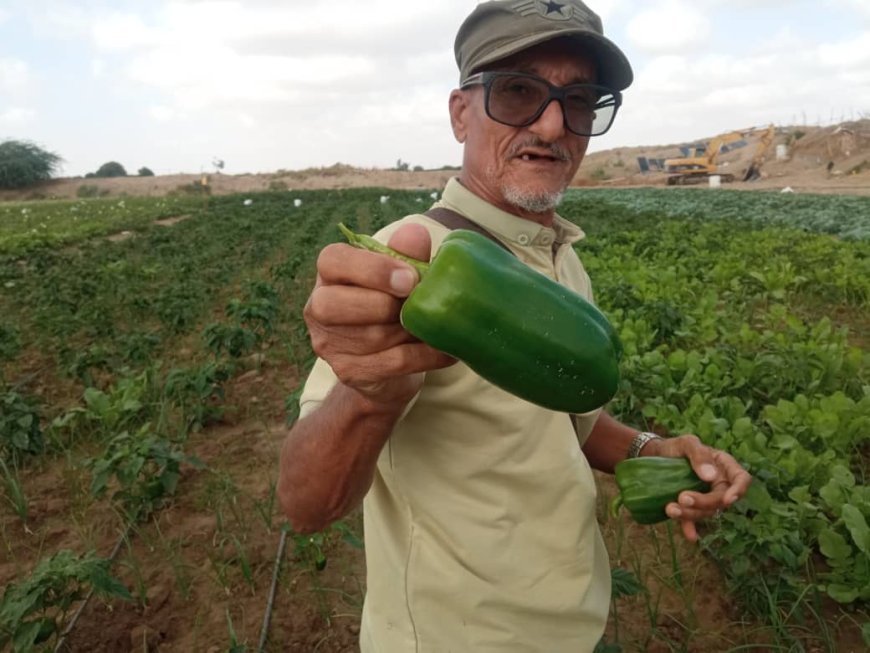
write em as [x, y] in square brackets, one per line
[549, 9]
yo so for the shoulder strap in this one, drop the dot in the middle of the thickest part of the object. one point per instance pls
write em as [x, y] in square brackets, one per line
[453, 220]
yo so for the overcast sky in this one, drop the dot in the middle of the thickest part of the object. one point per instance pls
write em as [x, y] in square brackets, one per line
[270, 84]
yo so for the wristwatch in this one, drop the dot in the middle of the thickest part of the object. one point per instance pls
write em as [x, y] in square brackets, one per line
[639, 442]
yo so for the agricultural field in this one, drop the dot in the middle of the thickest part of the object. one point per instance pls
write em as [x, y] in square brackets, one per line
[147, 379]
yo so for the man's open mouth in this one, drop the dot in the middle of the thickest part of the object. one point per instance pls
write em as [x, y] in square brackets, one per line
[539, 157]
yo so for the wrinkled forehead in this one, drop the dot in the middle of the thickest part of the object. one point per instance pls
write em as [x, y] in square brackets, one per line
[563, 58]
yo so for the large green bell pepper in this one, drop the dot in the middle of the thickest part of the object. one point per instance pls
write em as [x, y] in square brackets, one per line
[649, 483]
[515, 327]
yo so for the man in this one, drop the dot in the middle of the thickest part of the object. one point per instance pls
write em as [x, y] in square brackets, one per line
[479, 507]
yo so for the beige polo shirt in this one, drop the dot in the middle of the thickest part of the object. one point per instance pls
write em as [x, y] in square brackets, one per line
[480, 529]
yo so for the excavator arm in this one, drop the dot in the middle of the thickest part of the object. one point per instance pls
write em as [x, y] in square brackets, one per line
[690, 170]
[753, 172]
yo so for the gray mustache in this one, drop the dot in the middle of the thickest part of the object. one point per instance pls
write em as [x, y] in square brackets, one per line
[556, 151]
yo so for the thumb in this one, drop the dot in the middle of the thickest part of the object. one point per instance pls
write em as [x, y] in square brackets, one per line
[412, 240]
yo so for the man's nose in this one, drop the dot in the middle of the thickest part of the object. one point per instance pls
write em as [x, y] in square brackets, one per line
[550, 125]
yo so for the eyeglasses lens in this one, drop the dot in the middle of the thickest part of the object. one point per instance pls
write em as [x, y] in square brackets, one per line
[518, 101]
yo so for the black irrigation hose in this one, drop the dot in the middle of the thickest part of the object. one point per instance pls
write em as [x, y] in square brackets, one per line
[81, 608]
[267, 618]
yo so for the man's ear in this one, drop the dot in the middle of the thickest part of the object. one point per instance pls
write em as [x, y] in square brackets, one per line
[459, 107]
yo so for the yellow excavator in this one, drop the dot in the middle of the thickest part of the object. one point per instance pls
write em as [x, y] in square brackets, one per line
[694, 170]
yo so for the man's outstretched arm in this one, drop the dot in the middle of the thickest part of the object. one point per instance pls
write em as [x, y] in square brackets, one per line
[329, 457]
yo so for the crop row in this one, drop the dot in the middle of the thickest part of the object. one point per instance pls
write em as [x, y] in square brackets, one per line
[752, 338]
[747, 334]
[840, 215]
[147, 332]
[25, 226]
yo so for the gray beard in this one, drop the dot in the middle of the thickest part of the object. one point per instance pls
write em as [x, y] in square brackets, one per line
[532, 202]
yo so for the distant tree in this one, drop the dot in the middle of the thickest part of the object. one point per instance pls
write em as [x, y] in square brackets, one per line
[111, 169]
[145, 172]
[23, 163]
[87, 190]
[218, 165]
[402, 165]
[418, 168]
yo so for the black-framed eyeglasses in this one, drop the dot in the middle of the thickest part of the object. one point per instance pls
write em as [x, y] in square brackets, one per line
[519, 99]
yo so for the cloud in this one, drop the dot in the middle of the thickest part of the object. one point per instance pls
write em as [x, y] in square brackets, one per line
[606, 9]
[669, 27]
[161, 113]
[860, 6]
[277, 83]
[14, 74]
[224, 76]
[14, 116]
[689, 97]
[58, 20]
[121, 32]
[230, 54]
[98, 67]
[847, 54]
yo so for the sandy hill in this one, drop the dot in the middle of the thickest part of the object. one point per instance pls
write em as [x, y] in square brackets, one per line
[833, 159]
[818, 159]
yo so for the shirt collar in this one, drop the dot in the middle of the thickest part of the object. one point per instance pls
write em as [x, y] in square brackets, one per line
[511, 228]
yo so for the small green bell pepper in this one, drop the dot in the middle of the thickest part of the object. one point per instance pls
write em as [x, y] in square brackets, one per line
[649, 483]
[515, 327]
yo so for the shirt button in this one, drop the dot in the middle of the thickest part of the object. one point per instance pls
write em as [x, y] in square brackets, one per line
[523, 239]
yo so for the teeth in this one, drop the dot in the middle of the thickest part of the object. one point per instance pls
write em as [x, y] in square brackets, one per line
[526, 157]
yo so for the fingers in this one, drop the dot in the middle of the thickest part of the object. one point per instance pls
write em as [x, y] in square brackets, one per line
[353, 317]
[363, 340]
[333, 306]
[690, 532]
[695, 506]
[402, 360]
[342, 264]
[727, 478]
[738, 478]
[412, 240]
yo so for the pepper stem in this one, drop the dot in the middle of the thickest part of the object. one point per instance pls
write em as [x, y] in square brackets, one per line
[615, 505]
[368, 243]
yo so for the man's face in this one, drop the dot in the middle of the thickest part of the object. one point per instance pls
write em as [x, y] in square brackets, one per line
[523, 170]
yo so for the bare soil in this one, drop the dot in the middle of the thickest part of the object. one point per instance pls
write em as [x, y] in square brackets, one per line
[832, 159]
[201, 568]
[203, 565]
[818, 160]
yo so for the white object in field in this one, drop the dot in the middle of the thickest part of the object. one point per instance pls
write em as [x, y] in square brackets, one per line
[297, 202]
[715, 181]
[248, 202]
[385, 199]
[434, 196]
[787, 189]
[781, 152]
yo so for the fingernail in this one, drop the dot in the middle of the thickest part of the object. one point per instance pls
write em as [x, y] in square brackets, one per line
[402, 281]
[708, 472]
[676, 513]
[731, 501]
[687, 501]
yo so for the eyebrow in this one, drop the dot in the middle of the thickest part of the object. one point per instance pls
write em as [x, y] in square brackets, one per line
[581, 78]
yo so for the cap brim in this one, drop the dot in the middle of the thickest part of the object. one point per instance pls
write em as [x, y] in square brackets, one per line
[614, 70]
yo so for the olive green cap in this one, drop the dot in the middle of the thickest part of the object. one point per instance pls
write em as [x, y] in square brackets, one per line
[498, 29]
